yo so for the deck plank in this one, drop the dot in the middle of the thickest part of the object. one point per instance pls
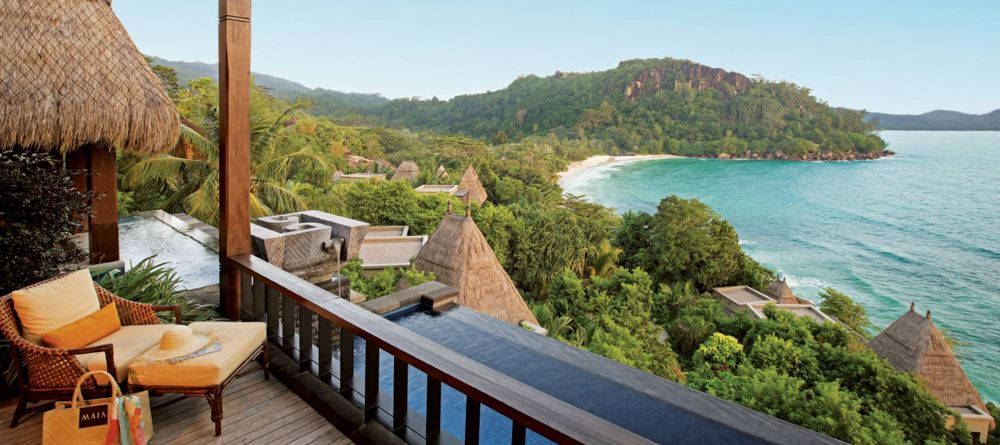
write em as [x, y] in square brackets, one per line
[255, 411]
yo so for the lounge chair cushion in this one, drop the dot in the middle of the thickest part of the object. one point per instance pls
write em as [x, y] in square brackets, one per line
[129, 342]
[54, 304]
[239, 341]
[86, 330]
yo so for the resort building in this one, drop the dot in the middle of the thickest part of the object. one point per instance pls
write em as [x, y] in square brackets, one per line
[470, 189]
[782, 293]
[459, 256]
[752, 301]
[437, 188]
[913, 344]
[363, 177]
[407, 171]
[387, 247]
[441, 172]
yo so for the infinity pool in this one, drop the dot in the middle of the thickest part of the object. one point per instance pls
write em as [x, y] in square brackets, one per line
[143, 235]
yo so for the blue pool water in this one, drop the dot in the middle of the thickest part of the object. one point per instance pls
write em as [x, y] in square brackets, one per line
[663, 411]
[922, 226]
[143, 235]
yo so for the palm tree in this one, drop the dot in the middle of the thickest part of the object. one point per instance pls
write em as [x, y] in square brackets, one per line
[600, 260]
[194, 181]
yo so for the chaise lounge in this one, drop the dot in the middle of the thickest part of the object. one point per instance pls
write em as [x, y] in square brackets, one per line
[69, 306]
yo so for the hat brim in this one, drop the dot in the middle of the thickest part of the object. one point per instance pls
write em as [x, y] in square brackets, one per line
[157, 353]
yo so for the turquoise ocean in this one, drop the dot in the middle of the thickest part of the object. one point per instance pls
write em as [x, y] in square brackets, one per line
[922, 226]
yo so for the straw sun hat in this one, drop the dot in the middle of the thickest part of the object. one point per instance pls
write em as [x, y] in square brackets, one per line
[177, 341]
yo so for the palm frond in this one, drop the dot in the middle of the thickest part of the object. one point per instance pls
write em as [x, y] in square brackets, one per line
[159, 168]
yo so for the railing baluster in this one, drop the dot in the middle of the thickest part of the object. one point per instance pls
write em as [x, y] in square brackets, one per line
[518, 434]
[305, 339]
[346, 362]
[245, 293]
[472, 409]
[287, 323]
[325, 349]
[433, 429]
[273, 299]
[259, 289]
[371, 382]
[400, 382]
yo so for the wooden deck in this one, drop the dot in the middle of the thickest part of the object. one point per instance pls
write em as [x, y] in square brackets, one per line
[255, 411]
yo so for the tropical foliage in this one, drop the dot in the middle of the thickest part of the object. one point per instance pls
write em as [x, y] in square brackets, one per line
[158, 284]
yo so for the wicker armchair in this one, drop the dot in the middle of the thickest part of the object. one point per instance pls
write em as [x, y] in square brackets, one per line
[50, 374]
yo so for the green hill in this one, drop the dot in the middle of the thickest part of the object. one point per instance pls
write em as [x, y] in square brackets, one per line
[938, 120]
[325, 102]
[653, 105]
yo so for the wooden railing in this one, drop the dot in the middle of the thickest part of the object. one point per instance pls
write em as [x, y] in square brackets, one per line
[289, 304]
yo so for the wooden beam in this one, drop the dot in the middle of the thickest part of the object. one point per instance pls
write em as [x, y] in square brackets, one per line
[103, 182]
[234, 146]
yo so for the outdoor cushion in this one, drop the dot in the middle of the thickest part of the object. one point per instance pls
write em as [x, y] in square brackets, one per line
[129, 342]
[85, 330]
[54, 304]
[239, 341]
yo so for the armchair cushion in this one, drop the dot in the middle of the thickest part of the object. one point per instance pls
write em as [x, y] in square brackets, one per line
[129, 342]
[86, 330]
[53, 304]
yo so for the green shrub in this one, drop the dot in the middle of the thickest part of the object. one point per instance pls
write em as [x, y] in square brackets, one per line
[39, 211]
[156, 283]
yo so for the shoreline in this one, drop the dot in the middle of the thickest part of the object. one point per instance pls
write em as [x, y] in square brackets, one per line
[576, 167]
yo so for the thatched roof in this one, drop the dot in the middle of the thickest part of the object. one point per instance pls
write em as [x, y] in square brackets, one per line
[407, 170]
[781, 293]
[441, 172]
[471, 188]
[913, 344]
[459, 256]
[70, 76]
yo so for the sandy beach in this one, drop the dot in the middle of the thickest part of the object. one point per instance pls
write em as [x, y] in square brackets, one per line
[601, 160]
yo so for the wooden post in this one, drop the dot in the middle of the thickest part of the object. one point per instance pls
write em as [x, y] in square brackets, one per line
[77, 163]
[234, 146]
[104, 205]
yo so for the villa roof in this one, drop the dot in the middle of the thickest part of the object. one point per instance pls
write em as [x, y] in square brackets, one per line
[781, 293]
[441, 172]
[379, 252]
[913, 344]
[459, 256]
[407, 170]
[70, 75]
[472, 187]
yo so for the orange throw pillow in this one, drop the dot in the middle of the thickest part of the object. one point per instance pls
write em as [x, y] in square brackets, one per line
[86, 330]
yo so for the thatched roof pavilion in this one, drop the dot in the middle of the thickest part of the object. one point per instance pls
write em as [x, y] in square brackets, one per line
[73, 82]
[781, 292]
[407, 171]
[913, 344]
[459, 256]
[441, 172]
[471, 189]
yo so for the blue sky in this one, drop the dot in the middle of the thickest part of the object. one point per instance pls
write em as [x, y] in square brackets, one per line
[891, 56]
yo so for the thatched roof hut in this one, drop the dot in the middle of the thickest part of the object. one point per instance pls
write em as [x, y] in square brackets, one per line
[70, 76]
[407, 171]
[913, 344]
[471, 189]
[459, 256]
[781, 292]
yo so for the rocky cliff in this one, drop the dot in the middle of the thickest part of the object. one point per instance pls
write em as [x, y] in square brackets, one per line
[694, 75]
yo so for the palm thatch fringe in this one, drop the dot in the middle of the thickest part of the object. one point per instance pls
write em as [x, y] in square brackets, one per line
[407, 171]
[471, 188]
[70, 75]
[913, 344]
[459, 256]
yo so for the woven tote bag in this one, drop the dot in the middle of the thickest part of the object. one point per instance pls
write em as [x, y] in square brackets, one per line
[85, 422]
